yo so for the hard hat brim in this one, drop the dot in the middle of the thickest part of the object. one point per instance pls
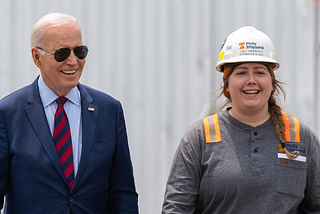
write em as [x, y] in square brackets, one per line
[246, 59]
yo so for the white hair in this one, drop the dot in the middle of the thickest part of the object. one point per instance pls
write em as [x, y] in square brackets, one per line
[49, 20]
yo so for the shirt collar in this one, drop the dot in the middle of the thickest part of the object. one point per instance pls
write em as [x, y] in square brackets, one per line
[48, 96]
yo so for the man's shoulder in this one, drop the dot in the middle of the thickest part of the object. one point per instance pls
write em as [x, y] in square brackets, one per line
[16, 96]
[22, 93]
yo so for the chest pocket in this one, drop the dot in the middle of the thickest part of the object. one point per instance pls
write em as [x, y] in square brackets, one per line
[292, 174]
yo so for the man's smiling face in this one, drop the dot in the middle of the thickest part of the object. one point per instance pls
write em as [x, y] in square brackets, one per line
[61, 77]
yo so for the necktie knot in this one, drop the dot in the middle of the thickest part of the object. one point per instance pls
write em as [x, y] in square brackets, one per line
[61, 100]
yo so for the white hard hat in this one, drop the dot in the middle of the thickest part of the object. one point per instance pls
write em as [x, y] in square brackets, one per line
[247, 44]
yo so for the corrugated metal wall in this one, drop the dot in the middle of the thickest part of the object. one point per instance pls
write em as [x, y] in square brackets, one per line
[158, 57]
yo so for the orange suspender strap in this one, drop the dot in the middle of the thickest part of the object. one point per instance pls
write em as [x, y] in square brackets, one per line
[211, 129]
[292, 128]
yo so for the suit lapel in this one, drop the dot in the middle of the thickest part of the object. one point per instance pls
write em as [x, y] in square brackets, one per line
[39, 122]
[89, 115]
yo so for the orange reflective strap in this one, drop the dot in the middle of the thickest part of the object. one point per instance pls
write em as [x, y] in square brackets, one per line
[297, 129]
[286, 123]
[216, 127]
[206, 129]
[292, 128]
[211, 129]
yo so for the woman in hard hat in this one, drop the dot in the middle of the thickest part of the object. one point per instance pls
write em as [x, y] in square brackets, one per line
[251, 157]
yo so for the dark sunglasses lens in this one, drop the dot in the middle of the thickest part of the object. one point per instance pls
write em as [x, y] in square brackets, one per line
[62, 54]
[81, 51]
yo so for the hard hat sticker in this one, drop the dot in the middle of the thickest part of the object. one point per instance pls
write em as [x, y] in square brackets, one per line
[221, 55]
[251, 48]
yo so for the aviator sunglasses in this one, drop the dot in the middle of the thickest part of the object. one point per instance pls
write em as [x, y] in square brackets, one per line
[62, 54]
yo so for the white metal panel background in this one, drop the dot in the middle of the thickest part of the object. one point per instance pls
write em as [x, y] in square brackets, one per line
[158, 58]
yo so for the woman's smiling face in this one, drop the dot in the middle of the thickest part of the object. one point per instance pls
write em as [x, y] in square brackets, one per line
[250, 86]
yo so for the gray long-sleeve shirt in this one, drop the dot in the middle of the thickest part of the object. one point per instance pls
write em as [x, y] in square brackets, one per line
[243, 174]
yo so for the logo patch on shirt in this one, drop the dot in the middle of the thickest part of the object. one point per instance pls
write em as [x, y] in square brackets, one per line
[291, 147]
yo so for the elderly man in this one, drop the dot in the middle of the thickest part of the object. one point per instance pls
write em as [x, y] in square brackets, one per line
[63, 145]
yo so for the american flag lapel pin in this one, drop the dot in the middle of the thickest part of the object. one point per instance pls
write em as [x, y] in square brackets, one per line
[90, 109]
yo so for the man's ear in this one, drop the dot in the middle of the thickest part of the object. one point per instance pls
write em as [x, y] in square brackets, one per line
[36, 56]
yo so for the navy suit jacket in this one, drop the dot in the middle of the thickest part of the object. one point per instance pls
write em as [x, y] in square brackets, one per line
[31, 176]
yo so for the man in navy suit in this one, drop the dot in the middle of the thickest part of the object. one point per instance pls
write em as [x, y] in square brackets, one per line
[32, 177]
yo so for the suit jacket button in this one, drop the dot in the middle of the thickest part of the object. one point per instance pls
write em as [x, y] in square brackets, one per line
[70, 198]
